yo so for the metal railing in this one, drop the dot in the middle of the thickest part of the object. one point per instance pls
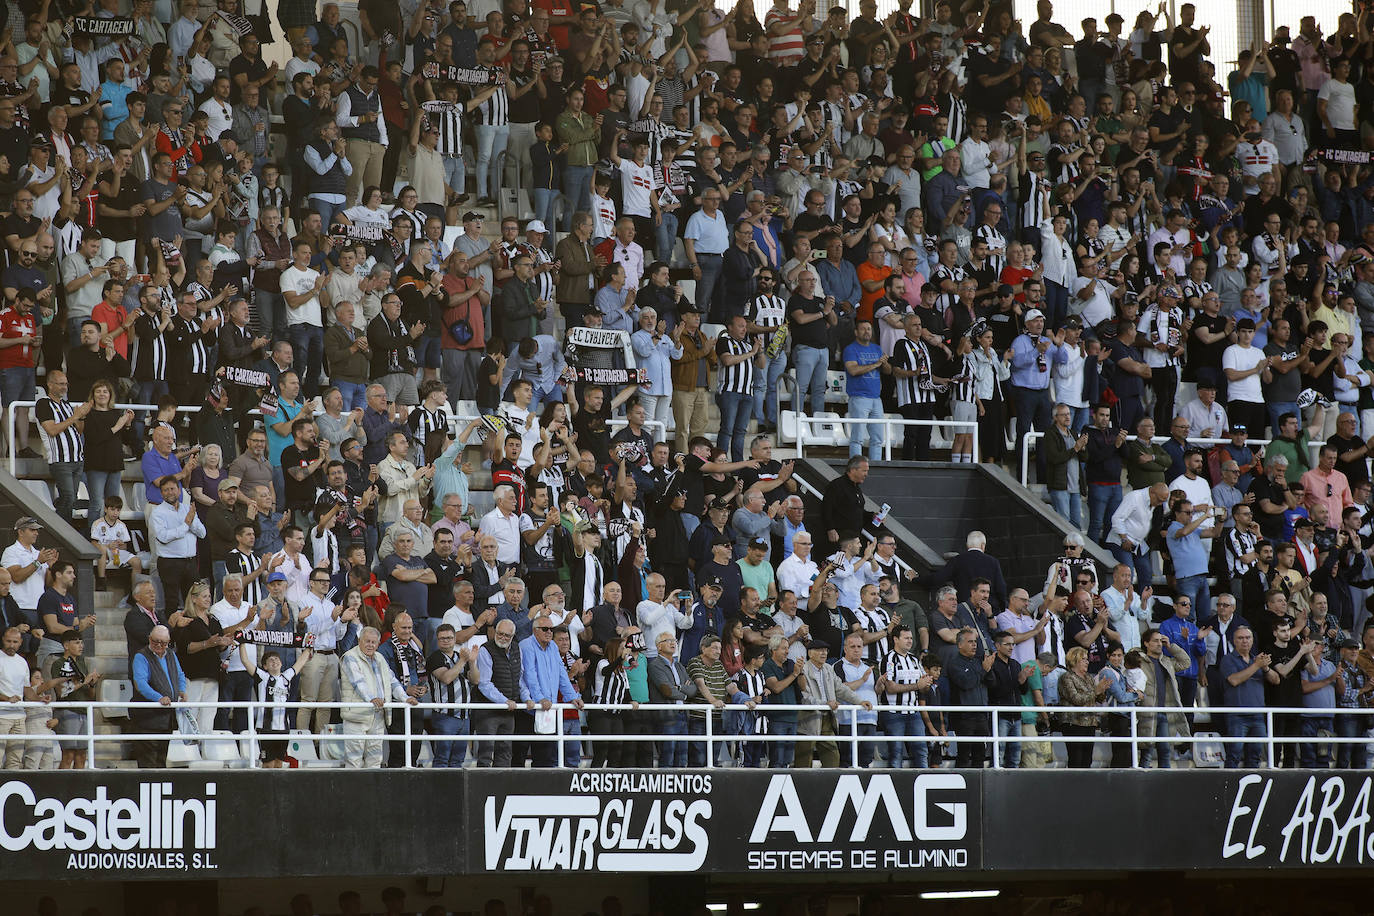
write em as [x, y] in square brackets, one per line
[805, 423]
[456, 422]
[1313, 448]
[847, 734]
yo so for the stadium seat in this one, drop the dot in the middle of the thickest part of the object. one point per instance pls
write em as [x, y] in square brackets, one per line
[224, 747]
[787, 426]
[898, 433]
[834, 387]
[331, 743]
[116, 691]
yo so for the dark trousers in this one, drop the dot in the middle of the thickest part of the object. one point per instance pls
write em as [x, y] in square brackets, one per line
[972, 754]
[396, 750]
[1080, 752]
[1119, 726]
[177, 575]
[237, 687]
[151, 755]
[639, 753]
[1164, 383]
[607, 752]
[916, 439]
[492, 753]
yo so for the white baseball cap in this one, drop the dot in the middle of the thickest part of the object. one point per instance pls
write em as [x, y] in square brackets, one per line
[535, 225]
[1033, 314]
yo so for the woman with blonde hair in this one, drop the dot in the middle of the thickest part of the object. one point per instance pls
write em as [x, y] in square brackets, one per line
[1078, 691]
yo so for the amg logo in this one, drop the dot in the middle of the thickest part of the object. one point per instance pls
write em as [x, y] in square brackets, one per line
[581, 833]
[782, 812]
[154, 820]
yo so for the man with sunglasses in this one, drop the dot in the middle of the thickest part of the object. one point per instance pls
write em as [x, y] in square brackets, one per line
[543, 680]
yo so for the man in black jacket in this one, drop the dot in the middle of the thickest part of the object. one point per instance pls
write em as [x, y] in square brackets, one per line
[842, 507]
[974, 563]
[969, 680]
[498, 666]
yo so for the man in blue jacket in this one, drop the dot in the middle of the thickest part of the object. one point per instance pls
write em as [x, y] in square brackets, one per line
[543, 679]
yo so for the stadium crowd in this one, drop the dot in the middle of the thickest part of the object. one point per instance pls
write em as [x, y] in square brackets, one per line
[1087, 239]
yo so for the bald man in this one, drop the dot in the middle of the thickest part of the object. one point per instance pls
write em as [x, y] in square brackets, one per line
[158, 678]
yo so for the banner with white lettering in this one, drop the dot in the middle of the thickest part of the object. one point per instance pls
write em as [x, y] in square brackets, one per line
[99, 26]
[680, 821]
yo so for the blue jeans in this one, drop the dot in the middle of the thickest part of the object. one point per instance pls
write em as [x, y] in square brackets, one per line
[1244, 725]
[1142, 564]
[709, 298]
[696, 750]
[271, 309]
[449, 753]
[325, 209]
[1351, 756]
[905, 725]
[866, 748]
[307, 356]
[491, 143]
[66, 477]
[455, 174]
[1162, 748]
[1308, 750]
[1195, 588]
[354, 394]
[862, 408]
[766, 388]
[734, 422]
[1276, 410]
[665, 234]
[1009, 753]
[673, 753]
[100, 484]
[781, 753]
[812, 362]
[572, 750]
[544, 199]
[1103, 500]
[18, 384]
[577, 187]
[1069, 504]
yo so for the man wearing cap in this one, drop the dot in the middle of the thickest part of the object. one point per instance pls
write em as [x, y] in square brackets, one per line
[223, 519]
[1204, 414]
[1246, 368]
[1032, 354]
[1353, 687]
[28, 567]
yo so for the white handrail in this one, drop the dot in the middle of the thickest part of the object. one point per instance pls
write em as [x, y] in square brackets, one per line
[804, 425]
[847, 733]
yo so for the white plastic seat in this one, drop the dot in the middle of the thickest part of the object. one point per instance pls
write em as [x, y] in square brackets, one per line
[115, 691]
[898, 434]
[787, 426]
[222, 746]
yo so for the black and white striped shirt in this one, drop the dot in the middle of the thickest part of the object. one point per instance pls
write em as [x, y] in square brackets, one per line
[875, 621]
[1034, 202]
[962, 387]
[996, 242]
[955, 275]
[956, 110]
[449, 123]
[424, 423]
[766, 311]
[245, 564]
[273, 693]
[187, 333]
[612, 687]
[901, 668]
[453, 693]
[150, 348]
[544, 285]
[68, 445]
[739, 378]
[754, 684]
[495, 111]
[913, 356]
[1238, 544]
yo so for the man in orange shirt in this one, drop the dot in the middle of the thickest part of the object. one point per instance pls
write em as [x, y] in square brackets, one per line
[873, 275]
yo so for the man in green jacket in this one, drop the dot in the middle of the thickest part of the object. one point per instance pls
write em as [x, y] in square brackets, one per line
[1146, 460]
[520, 311]
[1291, 443]
[579, 132]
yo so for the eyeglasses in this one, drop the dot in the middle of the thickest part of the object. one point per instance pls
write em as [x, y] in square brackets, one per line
[543, 629]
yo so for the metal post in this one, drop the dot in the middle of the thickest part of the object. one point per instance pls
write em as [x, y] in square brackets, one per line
[887, 439]
[558, 730]
[252, 734]
[710, 740]
[405, 711]
[90, 735]
[977, 455]
[803, 427]
[996, 742]
[854, 738]
[1025, 459]
[1135, 744]
[1269, 730]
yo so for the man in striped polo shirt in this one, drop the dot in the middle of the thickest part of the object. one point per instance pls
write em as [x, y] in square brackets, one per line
[65, 446]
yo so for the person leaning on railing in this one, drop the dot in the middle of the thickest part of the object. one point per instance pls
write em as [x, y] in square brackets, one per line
[1078, 691]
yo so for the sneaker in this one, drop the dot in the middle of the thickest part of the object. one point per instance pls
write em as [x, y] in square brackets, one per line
[27, 452]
